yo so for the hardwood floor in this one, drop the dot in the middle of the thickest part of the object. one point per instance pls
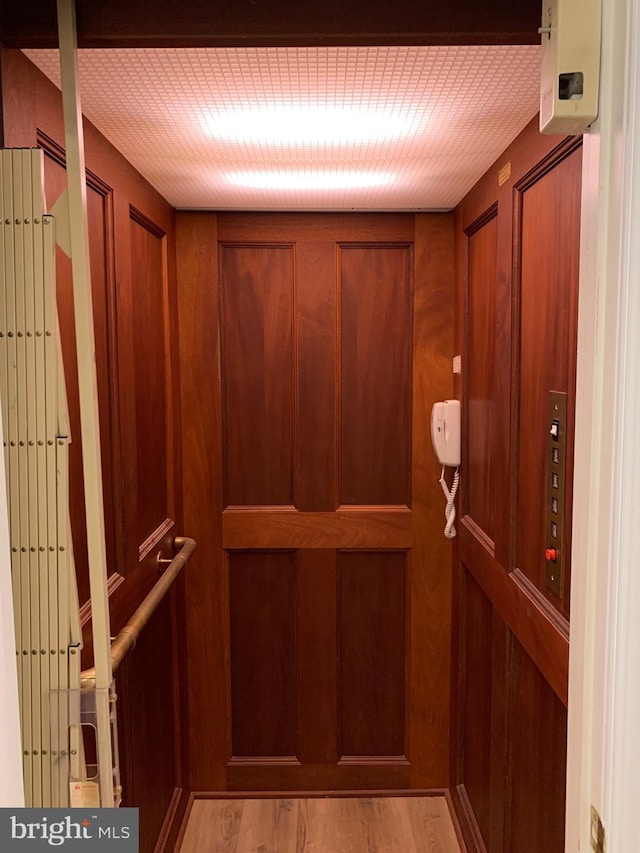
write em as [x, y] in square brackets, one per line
[321, 825]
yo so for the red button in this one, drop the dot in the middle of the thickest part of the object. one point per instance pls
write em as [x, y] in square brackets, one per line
[551, 554]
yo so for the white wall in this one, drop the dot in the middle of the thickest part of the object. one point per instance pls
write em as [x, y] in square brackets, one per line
[604, 668]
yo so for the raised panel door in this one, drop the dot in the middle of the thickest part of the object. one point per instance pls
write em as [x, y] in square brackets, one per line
[323, 577]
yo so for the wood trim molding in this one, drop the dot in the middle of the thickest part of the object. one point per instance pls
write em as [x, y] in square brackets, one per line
[57, 153]
[376, 760]
[143, 220]
[191, 798]
[541, 638]
[296, 795]
[486, 216]
[114, 581]
[487, 543]
[254, 244]
[463, 811]
[155, 538]
[541, 602]
[263, 761]
[455, 820]
[175, 822]
[555, 156]
[378, 244]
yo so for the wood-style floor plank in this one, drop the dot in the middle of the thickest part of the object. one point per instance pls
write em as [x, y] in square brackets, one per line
[321, 825]
[388, 824]
[431, 824]
[331, 824]
[213, 827]
[269, 826]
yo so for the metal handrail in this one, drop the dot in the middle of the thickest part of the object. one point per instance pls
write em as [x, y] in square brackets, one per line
[128, 636]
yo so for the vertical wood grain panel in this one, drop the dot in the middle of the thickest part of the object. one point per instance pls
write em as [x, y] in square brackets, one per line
[318, 653]
[538, 725]
[263, 606]
[550, 218]
[151, 379]
[518, 252]
[429, 618]
[258, 374]
[375, 374]
[476, 713]
[101, 250]
[206, 581]
[371, 626]
[480, 370]
[144, 719]
[317, 354]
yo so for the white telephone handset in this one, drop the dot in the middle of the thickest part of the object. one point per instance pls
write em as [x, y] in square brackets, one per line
[445, 432]
[445, 435]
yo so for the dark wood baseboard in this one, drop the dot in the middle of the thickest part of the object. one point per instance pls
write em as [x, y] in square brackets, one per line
[465, 822]
[297, 795]
[456, 823]
[174, 822]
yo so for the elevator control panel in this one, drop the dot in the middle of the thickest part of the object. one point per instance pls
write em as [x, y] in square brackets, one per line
[556, 452]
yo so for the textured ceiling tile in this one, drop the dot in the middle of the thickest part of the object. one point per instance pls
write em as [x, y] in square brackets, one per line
[447, 114]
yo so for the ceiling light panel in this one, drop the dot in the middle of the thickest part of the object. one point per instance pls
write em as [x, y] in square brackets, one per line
[406, 127]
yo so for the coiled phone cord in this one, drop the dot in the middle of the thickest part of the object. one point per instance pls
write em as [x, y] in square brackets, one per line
[450, 508]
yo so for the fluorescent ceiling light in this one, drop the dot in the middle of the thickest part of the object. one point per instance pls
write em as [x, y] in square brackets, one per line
[312, 125]
[308, 180]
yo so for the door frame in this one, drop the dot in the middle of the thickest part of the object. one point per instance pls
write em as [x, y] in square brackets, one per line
[604, 688]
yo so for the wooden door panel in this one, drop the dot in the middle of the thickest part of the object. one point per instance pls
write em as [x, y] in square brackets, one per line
[375, 374]
[151, 380]
[476, 664]
[479, 450]
[317, 365]
[143, 687]
[518, 297]
[261, 382]
[324, 583]
[317, 653]
[99, 212]
[371, 654]
[538, 731]
[263, 606]
[358, 528]
[550, 217]
[544, 636]
[258, 374]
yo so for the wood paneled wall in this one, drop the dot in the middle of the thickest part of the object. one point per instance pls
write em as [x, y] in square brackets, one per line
[517, 239]
[132, 244]
[517, 251]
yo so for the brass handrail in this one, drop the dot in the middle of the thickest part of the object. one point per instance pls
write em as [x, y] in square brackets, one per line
[128, 636]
